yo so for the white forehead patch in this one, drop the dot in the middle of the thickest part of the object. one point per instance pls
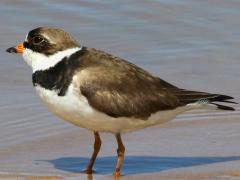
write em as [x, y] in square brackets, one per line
[40, 61]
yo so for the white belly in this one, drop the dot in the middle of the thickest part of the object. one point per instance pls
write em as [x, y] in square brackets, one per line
[75, 109]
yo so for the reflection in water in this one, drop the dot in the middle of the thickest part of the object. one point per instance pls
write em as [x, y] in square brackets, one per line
[89, 177]
[117, 178]
[191, 43]
[136, 164]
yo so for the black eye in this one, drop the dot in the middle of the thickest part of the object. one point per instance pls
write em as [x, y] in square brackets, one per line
[37, 40]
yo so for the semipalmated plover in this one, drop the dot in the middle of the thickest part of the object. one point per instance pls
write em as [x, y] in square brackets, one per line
[101, 92]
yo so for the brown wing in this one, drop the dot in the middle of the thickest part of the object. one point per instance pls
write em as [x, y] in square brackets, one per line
[121, 89]
[123, 95]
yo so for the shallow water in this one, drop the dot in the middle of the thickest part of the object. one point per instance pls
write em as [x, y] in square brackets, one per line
[193, 44]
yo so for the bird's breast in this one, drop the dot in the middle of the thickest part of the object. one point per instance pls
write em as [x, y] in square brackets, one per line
[74, 108]
[71, 107]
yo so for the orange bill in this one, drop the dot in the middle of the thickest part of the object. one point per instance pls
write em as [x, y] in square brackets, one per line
[20, 48]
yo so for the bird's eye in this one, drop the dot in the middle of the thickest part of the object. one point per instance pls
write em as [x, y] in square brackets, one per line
[37, 40]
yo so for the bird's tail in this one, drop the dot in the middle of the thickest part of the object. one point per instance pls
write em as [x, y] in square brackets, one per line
[187, 97]
[221, 99]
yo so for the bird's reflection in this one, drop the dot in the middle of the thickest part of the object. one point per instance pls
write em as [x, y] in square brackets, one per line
[91, 177]
[134, 164]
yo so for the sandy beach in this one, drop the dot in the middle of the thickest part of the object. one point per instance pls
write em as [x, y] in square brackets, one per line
[178, 150]
[192, 44]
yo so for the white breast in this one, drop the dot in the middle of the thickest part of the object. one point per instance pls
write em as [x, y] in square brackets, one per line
[74, 108]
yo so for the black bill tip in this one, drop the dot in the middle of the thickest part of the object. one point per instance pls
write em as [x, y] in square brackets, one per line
[11, 50]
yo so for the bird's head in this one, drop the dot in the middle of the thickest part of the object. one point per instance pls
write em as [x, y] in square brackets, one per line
[43, 47]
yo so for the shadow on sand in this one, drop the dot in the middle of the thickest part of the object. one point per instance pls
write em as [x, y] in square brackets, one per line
[136, 164]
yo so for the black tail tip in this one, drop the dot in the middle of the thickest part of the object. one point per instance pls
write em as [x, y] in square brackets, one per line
[222, 107]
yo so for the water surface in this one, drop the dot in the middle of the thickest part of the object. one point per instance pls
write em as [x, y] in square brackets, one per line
[193, 44]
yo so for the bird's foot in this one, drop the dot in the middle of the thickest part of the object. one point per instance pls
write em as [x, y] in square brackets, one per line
[116, 174]
[88, 171]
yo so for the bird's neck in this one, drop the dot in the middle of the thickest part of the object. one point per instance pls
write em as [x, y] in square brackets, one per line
[58, 77]
[40, 62]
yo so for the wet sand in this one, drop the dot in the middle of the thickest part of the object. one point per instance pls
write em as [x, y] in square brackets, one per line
[193, 44]
[180, 150]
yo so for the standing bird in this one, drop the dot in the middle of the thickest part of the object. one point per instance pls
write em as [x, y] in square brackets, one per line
[103, 93]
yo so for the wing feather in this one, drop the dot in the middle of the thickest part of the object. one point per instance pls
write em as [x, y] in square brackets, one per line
[121, 89]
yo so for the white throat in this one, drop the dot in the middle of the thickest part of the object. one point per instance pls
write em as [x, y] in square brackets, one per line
[40, 61]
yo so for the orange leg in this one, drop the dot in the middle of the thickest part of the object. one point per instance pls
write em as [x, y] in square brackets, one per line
[97, 146]
[120, 152]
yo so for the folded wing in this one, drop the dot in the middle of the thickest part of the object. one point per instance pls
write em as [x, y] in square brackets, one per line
[121, 89]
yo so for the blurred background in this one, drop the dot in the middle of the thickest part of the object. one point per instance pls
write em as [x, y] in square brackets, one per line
[192, 44]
